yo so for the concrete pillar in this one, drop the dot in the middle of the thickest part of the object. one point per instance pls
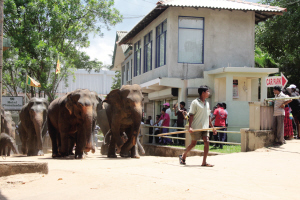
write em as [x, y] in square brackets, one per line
[263, 89]
[183, 92]
[229, 87]
[254, 115]
[144, 130]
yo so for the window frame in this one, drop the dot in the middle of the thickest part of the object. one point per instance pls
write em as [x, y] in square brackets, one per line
[146, 43]
[195, 29]
[157, 48]
[138, 50]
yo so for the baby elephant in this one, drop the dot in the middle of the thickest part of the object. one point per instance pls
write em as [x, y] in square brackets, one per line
[7, 141]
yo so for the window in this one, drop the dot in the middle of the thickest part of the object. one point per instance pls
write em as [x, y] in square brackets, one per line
[148, 52]
[123, 76]
[130, 71]
[137, 58]
[127, 72]
[191, 39]
[161, 39]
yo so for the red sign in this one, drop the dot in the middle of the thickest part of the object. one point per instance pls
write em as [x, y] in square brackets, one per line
[276, 80]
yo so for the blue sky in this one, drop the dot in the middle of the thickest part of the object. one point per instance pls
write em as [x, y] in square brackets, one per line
[133, 11]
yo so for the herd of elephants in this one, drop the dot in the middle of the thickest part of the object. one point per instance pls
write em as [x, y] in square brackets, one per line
[71, 120]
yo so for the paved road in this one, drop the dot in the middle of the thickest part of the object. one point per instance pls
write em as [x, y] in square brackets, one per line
[264, 174]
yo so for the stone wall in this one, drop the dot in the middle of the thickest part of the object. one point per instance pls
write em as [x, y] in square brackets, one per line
[166, 151]
[255, 139]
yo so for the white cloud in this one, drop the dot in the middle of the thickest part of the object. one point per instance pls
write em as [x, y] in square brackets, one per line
[101, 48]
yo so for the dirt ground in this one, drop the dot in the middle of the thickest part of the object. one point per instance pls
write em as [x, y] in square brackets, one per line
[269, 173]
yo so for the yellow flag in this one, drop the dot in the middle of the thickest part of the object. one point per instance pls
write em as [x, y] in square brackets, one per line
[57, 67]
[30, 81]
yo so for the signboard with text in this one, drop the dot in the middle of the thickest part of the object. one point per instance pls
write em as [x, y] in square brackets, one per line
[276, 80]
[12, 103]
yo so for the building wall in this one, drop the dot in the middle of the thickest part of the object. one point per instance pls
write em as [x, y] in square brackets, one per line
[228, 41]
[99, 82]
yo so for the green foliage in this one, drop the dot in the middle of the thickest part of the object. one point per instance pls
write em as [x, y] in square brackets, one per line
[280, 38]
[116, 81]
[42, 31]
[264, 60]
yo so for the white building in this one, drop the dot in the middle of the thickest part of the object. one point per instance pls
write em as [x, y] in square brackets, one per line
[100, 82]
[182, 44]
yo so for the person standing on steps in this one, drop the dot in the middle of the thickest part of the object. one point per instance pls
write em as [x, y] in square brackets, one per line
[199, 119]
[278, 116]
[220, 116]
[180, 113]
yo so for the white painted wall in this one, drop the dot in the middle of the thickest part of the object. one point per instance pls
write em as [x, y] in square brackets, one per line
[99, 82]
[228, 41]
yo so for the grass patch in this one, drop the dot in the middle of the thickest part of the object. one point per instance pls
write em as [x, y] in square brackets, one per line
[226, 148]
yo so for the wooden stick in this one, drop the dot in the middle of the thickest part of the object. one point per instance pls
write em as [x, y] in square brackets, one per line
[196, 130]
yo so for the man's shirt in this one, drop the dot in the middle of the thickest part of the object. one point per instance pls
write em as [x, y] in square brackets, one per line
[201, 112]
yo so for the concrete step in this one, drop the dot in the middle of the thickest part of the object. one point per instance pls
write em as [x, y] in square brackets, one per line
[8, 168]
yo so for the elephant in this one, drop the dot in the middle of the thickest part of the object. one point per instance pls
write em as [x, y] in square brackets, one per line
[71, 119]
[8, 126]
[33, 126]
[7, 141]
[123, 109]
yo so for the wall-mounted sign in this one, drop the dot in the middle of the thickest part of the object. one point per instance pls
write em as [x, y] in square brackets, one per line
[12, 103]
[276, 80]
[235, 89]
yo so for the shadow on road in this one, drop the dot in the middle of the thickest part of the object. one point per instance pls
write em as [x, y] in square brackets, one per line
[2, 197]
[282, 150]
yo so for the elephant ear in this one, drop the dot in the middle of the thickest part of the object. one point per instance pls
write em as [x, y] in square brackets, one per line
[114, 98]
[69, 104]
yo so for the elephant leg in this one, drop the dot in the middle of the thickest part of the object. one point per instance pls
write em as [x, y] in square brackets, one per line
[64, 144]
[53, 133]
[31, 146]
[112, 148]
[23, 138]
[80, 144]
[104, 149]
[8, 151]
[134, 152]
[132, 137]
[71, 146]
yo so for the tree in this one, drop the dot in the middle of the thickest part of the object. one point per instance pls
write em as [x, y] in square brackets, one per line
[264, 60]
[280, 38]
[43, 31]
[116, 81]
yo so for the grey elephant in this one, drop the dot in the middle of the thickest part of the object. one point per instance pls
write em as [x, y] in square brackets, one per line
[33, 126]
[71, 119]
[122, 113]
[7, 141]
[8, 126]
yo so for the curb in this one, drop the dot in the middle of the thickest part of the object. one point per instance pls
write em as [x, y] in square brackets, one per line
[21, 167]
[165, 151]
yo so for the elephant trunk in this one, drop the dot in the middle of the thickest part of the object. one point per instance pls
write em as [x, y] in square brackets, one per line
[88, 115]
[38, 122]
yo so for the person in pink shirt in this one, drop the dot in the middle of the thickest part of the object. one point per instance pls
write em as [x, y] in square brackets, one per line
[165, 122]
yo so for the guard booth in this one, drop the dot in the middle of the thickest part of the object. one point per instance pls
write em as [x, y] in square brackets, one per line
[239, 88]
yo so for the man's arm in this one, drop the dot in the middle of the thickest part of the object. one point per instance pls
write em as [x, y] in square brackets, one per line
[212, 126]
[190, 123]
[212, 119]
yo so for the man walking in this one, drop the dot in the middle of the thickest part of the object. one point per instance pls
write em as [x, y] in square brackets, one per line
[278, 116]
[199, 119]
